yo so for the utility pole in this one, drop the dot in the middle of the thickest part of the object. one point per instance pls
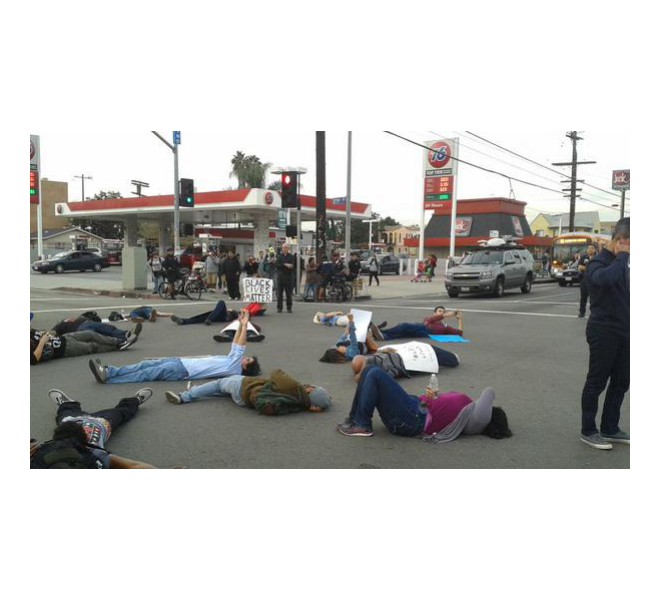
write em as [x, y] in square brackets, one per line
[83, 177]
[347, 232]
[573, 135]
[321, 225]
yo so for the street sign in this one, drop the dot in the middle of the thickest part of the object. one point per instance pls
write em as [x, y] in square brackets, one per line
[621, 180]
[281, 219]
[177, 137]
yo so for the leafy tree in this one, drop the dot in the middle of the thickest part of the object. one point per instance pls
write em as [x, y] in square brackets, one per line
[113, 230]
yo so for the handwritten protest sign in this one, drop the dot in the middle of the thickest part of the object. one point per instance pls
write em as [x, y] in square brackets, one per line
[257, 289]
[417, 356]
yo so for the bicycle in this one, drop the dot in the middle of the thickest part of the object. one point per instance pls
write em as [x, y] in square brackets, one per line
[185, 285]
[338, 290]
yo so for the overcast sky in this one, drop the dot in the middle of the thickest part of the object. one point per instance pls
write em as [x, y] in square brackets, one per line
[387, 171]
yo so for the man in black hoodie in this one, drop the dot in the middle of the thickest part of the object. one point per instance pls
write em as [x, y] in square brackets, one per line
[608, 336]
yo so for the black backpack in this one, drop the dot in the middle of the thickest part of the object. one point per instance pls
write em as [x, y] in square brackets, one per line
[65, 454]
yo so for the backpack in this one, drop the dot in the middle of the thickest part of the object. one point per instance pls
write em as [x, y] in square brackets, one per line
[65, 454]
[91, 315]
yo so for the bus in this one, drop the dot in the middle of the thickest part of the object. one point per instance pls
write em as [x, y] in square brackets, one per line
[567, 245]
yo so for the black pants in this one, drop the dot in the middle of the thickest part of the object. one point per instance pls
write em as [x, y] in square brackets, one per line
[233, 288]
[217, 315]
[371, 276]
[609, 360]
[584, 295]
[284, 284]
[117, 416]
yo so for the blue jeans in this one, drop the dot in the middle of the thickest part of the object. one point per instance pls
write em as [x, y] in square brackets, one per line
[225, 386]
[104, 329]
[399, 411]
[161, 369]
[406, 330]
[353, 347]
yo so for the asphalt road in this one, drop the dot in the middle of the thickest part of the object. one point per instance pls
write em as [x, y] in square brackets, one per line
[530, 348]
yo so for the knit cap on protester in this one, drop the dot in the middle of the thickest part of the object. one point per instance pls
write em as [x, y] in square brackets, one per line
[320, 398]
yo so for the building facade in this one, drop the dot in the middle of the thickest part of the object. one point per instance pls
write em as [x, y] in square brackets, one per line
[477, 220]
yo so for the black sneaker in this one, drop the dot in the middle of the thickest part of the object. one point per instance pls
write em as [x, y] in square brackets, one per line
[177, 320]
[581, 315]
[130, 340]
[59, 397]
[143, 395]
[221, 338]
[620, 437]
[353, 430]
[595, 440]
[376, 333]
[99, 371]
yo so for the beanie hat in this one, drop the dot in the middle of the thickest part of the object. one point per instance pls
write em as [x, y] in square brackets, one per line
[320, 398]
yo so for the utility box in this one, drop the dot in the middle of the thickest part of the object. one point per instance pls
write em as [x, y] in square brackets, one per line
[134, 268]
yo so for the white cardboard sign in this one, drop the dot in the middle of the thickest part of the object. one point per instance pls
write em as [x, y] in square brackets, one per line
[257, 289]
[417, 356]
[361, 318]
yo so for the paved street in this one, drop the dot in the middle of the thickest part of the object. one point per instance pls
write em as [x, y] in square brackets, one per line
[530, 348]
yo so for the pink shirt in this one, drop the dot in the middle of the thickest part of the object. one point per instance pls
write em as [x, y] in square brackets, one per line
[443, 410]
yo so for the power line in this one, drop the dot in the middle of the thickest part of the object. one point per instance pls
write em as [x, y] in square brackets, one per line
[460, 160]
[534, 162]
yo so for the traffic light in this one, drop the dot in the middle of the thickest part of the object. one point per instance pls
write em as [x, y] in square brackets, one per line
[289, 190]
[187, 193]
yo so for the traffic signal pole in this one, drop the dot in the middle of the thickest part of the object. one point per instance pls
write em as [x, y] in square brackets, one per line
[175, 151]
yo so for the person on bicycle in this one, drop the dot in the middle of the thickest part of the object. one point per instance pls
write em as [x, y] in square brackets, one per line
[171, 268]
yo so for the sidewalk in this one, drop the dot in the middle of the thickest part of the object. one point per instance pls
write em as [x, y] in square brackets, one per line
[391, 286]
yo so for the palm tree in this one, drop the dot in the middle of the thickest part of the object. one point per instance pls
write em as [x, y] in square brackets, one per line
[249, 170]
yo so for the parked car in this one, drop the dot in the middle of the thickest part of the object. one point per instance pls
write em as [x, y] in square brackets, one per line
[492, 268]
[568, 276]
[387, 263]
[73, 260]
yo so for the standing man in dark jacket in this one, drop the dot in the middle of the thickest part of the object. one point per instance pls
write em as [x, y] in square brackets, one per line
[608, 336]
[232, 272]
[583, 263]
[286, 274]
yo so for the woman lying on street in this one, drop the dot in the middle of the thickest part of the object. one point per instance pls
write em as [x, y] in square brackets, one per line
[434, 419]
[347, 347]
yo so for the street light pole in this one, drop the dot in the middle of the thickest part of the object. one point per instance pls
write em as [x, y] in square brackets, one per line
[370, 221]
[347, 232]
[174, 149]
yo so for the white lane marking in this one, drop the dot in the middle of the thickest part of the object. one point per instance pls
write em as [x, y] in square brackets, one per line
[125, 307]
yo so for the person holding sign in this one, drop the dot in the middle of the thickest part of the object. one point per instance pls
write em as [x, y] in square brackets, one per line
[348, 346]
[181, 369]
[402, 359]
[435, 419]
